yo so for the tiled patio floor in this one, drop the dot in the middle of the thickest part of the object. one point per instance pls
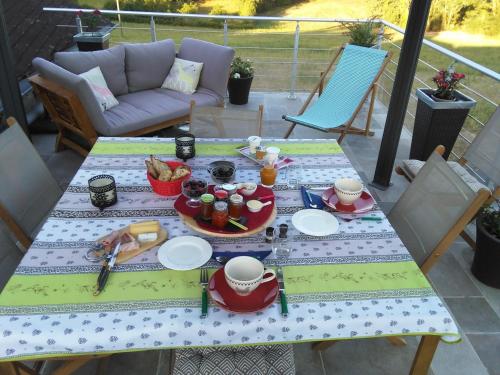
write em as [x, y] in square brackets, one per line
[475, 306]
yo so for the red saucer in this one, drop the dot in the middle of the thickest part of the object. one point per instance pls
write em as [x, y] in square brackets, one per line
[364, 203]
[225, 297]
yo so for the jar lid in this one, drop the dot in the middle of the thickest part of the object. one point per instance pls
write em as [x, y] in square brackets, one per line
[236, 198]
[220, 206]
[207, 198]
[221, 194]
[229, 187]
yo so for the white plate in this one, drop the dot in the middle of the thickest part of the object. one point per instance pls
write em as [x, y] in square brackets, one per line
[184, 253]
[315, 222]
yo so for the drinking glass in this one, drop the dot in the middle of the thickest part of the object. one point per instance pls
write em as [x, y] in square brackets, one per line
[293, 176]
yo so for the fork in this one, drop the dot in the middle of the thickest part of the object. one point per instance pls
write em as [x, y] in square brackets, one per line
[204, 297]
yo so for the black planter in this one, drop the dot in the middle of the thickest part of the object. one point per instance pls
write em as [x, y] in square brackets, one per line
[486, 264]
[92, 41]
[437, 123]
[238, 89]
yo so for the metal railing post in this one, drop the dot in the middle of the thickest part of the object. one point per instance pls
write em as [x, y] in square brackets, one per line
[152, 29]
[380, 36]
[295, 62]
[119, 16]
[225, 32]
[79, 27]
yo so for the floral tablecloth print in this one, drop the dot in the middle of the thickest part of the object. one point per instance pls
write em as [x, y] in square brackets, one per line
[359, 282]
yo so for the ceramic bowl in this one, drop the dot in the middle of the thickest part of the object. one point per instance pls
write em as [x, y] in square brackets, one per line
[348, 190]
[247, 188]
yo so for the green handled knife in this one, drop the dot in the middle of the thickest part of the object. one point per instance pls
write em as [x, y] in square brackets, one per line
[281, 285]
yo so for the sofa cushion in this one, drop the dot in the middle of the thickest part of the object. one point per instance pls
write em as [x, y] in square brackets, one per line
[216, 61]
[97, 83]
[203, 97]
[141, 109]
[147, 64]
[76, 84]
[111, 61]
[184, 76]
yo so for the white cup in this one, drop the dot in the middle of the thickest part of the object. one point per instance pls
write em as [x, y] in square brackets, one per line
[254, 142]
[244, 274]
[348, 190]
[272, 154]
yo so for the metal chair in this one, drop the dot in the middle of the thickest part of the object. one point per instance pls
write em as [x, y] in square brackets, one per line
[354, 78]
[218, 122]
[256, 360]
[434, 210]
[28, 190]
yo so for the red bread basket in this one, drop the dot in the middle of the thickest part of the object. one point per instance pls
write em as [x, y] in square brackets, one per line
[169, 188]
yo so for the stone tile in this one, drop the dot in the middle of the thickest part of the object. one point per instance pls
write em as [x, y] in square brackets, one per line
[450, 280]
[64, 165]
[134, 363]
[464, 255]
[369, 357]
[307, 361]
[458, 358]
[44, 143]
[474, 314]
[488, 349]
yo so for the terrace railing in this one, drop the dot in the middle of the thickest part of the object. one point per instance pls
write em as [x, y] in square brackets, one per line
[291, 55]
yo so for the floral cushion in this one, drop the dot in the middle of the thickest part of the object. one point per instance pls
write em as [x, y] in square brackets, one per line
[412, 167]
[184, 76]
[100, 89]
[255, 360]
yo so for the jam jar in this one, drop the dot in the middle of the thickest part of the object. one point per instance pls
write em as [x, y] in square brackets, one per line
[220, 214]
[235, 206]
[207, 206]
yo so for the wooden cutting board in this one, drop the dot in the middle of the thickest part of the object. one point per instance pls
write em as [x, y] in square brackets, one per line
[125, 256]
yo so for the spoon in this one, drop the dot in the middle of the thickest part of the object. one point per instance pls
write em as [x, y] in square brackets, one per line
[222, 259]
[311, 204]
[256, 206]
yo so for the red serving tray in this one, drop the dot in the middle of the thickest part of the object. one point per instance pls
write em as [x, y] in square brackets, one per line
[254, 220]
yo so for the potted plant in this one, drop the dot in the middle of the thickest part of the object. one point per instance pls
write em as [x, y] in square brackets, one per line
[240, 81]
[363, 34]
[486, 264]
[95, 37]
[440, 115]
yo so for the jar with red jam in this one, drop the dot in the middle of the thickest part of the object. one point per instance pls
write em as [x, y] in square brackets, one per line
[235, 206]
[207, 206]
[221, 195]
[220, 214]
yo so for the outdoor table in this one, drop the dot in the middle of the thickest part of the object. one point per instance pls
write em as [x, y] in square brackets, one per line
[358, 283]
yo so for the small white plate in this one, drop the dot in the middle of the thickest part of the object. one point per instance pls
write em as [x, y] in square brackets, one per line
[315, 222]
[184, 253]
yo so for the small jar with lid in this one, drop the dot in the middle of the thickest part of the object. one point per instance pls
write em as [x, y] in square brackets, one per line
[221, 195]
[207, 206]
[235, 206]
[220, 214]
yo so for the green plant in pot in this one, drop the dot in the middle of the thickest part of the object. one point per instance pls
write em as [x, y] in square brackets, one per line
[486, 264]
[240, 80]
[363, 34]
[95, 36]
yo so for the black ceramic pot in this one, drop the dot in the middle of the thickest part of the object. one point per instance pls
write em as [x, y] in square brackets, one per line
[486, 264]
[239, 88]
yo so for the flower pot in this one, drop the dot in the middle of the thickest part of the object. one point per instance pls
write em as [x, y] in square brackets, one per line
[486, 264]
[238, 89]
[437, 122]
[92, 41]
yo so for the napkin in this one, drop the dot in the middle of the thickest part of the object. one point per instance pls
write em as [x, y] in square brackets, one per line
[260, 255]
[315, 199]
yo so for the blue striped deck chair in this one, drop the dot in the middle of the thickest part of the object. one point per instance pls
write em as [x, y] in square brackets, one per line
[354, 77]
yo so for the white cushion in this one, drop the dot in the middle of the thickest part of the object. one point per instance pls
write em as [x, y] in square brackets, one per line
[183, 77]
[100, 89]
[412, 167]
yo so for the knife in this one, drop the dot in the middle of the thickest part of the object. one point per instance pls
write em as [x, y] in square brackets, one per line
[281, 285]
[106, 270]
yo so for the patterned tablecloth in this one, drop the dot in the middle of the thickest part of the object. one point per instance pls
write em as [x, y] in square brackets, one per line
[360, 282]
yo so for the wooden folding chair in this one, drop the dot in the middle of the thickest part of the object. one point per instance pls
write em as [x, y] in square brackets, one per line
[354, 78]
[218, 122]
[481, 157]
[434, 210]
